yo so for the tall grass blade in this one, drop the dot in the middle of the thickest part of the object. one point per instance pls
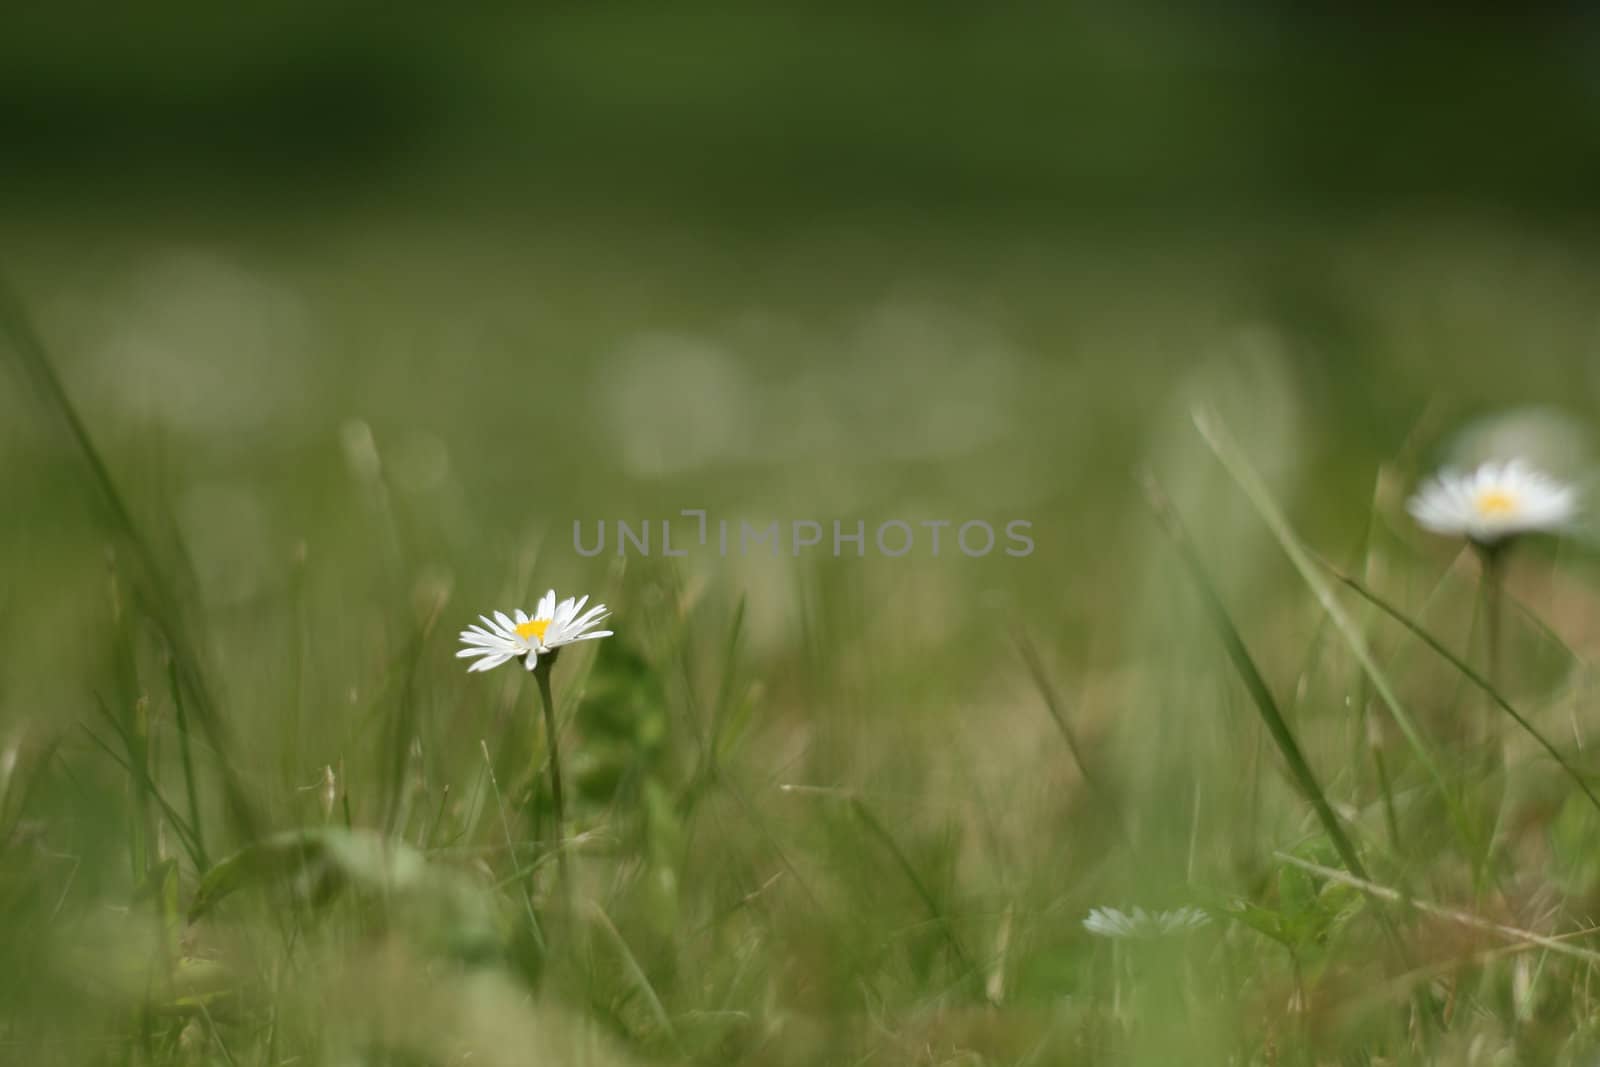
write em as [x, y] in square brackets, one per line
[878, 830]
[1244, 475]
[1443, 651]
[1055, 706]
[641, 981]
[725, 688]
[142, 780]
[18, 334]
[1260, 693]
[511, 848]
[186, 756]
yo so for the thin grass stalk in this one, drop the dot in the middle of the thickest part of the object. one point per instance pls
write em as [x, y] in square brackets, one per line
[707, 770]
[1368, 739]
[1515, 935]
[1244, 475]
[185, 837]
[1054, 705]
[162, 605]
[136, 738]
[1260, 694]
[511, 850]
[191, 787]
[725, 688]
[1391, 819]
[1467, 672]
[636, 974]
[872, 823]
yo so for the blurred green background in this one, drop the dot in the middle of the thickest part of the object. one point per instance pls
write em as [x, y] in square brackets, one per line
[365, 305]
[579, 262]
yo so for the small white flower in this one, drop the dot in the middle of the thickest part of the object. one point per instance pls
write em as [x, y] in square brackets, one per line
[1496, 501]
[1109, 922]
[552, 625]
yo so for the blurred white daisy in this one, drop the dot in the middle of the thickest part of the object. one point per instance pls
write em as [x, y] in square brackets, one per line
[552, 625]
[1109, 922]
[1496, 501]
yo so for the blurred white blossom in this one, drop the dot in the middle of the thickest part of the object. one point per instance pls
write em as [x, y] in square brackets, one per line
[1111, 922]
[1496, 501]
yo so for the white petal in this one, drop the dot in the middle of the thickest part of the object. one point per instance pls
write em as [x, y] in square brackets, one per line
[590, 617]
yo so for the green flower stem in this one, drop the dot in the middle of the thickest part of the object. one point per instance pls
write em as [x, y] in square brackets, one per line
[541, 674]
[1494, 752]
[1492, 557]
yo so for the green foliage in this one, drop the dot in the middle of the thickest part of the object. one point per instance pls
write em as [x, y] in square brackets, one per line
[818, 810]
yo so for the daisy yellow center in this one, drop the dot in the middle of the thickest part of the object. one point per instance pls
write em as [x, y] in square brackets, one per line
[533, 629]
[1496, 503]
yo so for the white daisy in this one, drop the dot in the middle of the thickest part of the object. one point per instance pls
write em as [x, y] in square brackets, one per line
[552, 625]
[1109, 922]
[1496, 501]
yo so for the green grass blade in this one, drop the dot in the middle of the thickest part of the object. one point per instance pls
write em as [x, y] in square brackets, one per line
[1054, 705]
[185, 835]
[19, 335]
[1467, 672]
[881, 832]
[641, 981]
[725, 688]
[16, 328]
[1245, 476]
[511, 848]
[190, 784]
[1260, 693]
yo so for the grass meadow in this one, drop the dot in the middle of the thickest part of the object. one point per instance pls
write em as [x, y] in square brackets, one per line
[818, 810]
[1237, 764]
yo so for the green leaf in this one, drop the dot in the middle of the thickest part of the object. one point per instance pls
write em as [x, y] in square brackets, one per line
[1263, 921]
